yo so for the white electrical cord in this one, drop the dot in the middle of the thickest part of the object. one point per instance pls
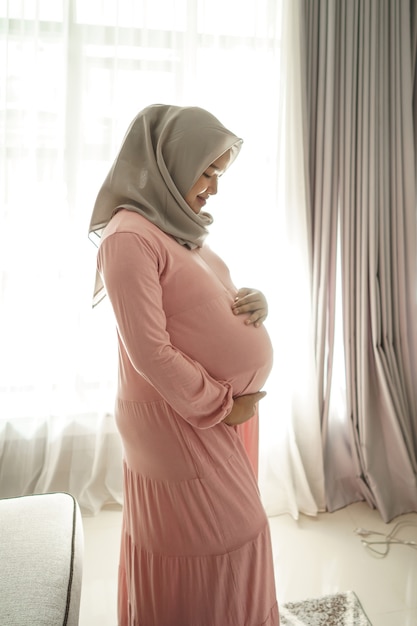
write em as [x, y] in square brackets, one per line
[381, 548]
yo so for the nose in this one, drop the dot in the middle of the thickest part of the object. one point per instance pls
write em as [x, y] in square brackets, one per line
[212, 188]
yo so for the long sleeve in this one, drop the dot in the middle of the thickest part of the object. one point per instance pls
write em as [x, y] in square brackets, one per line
[131, 267]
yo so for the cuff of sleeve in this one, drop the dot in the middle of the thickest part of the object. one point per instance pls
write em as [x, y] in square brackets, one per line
[208, 421]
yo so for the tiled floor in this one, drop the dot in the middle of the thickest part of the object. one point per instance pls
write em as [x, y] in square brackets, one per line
[313, 557]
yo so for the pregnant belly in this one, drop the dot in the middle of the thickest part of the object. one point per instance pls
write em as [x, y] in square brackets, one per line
[224, 345]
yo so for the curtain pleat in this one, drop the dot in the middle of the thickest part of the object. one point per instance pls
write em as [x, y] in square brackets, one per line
[413, 24]
[361, 147]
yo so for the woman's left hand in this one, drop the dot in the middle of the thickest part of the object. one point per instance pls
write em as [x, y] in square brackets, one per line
[253, 302]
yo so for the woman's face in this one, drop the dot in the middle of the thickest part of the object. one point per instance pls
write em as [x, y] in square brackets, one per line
[206, 185]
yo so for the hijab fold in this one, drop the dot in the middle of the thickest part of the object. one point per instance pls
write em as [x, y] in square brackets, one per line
[165, 150]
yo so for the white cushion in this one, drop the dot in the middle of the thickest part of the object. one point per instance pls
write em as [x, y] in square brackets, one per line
[41, 552]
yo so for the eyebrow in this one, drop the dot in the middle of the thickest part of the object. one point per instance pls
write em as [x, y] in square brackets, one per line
[215, 168]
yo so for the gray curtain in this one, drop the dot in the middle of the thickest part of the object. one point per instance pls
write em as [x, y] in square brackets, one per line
[360, 140]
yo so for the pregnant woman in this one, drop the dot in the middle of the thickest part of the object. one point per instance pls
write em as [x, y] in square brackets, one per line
[193, 357]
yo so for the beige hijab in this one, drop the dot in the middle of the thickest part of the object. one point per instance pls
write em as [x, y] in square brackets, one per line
[164, 152]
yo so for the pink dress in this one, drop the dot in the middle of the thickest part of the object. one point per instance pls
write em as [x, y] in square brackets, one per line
[195, 547]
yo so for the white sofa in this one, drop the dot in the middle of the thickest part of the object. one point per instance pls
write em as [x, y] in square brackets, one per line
[41, 557]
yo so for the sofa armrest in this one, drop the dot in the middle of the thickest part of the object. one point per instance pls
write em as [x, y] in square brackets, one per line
[41, 558]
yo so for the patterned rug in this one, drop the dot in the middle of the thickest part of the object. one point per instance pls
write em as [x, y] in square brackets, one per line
[340, 609]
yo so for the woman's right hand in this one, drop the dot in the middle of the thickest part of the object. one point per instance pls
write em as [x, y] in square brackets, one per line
[244, 407]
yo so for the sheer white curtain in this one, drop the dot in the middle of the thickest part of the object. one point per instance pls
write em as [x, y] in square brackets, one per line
[73, 75]
[293, 477]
